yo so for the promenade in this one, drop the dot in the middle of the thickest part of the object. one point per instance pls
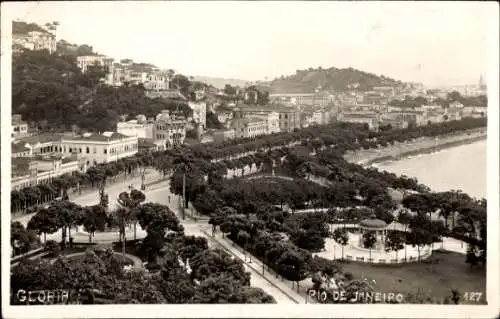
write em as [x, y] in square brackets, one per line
[420, 145]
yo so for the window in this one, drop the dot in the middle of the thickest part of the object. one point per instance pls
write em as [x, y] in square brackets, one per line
[80, 150]
[105, 151]
[88, 150]
[95, 150]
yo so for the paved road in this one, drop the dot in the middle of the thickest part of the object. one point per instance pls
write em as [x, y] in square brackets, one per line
[160, 193]
[92, 198]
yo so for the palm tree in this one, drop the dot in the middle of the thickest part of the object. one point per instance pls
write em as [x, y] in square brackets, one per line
[184, 164]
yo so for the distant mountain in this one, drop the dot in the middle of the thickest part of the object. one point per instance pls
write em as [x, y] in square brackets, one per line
[220, 82]
[306, 81]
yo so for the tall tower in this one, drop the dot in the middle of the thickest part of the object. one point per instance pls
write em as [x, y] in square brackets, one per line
[482, 84]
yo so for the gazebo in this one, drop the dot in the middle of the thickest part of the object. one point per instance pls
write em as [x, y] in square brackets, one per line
[376, 225]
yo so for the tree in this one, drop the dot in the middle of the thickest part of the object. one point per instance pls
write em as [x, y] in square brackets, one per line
[158, 217]
[244, 238]
[369, 240]
[94, 219]
[213, 261]
[219, 288]
[44, 222]
[21, 239]
[394, 242]
[294, 265]
[229, 90]
[341, 237]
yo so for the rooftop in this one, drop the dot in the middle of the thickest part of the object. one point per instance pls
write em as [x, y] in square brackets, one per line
[373, 223]
[268, 108]
[360, 115]
[41, 138]
[103, 137]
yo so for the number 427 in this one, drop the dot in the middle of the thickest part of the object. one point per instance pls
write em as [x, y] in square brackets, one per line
[473, 296]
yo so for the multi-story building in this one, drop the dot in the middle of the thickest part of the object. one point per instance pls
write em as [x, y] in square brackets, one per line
[156, 81]
[475, 111]
[289, 118]
[453, 114]
[249, 126]
[413, 117]
[386, 91]
[369, 118]
[99, 148]
[86, 61]
[271, 118]
[169, 131]
[36, 170]
[320, 98]
[199, 112]
[43, 144]
[141, 129]
[35, 40]
[19, 127]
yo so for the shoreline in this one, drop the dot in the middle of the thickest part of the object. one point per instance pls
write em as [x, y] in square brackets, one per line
[423, 145]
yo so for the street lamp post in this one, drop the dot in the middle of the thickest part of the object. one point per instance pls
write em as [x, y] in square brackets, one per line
[184, 195]
[143, 177]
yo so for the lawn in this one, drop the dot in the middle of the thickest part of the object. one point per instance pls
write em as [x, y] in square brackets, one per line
[435, 277]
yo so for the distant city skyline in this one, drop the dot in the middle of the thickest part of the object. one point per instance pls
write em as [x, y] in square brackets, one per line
[437, 44]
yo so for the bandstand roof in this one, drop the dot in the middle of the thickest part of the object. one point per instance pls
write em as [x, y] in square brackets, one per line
[373, 223]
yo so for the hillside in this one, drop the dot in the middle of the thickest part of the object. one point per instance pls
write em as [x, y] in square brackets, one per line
[50, 91]
[21, 27]
[220, 82]
[306, 81]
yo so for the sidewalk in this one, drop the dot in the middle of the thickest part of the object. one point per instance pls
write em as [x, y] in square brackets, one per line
[282, 284]
[92, 197]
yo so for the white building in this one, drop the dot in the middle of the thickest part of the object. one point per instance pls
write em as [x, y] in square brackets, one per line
[100, 148]
[136, 128]
[249, 127]
[156, 81]
[35, 40]
[28, 172]
[199, 112]
[272, 119]
[43, 144]
[168, 131]
[85, 61]
[456, 104]
[19, 127]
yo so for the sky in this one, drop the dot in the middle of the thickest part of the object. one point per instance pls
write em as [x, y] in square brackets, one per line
[432, 43]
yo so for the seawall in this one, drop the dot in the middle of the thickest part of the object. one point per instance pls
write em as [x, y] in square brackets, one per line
[422, 145]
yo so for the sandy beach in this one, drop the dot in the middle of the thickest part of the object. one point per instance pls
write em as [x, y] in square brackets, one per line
[417, 146]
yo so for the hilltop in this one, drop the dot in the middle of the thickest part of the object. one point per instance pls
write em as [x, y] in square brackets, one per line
[306, 81]
[21, 27]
